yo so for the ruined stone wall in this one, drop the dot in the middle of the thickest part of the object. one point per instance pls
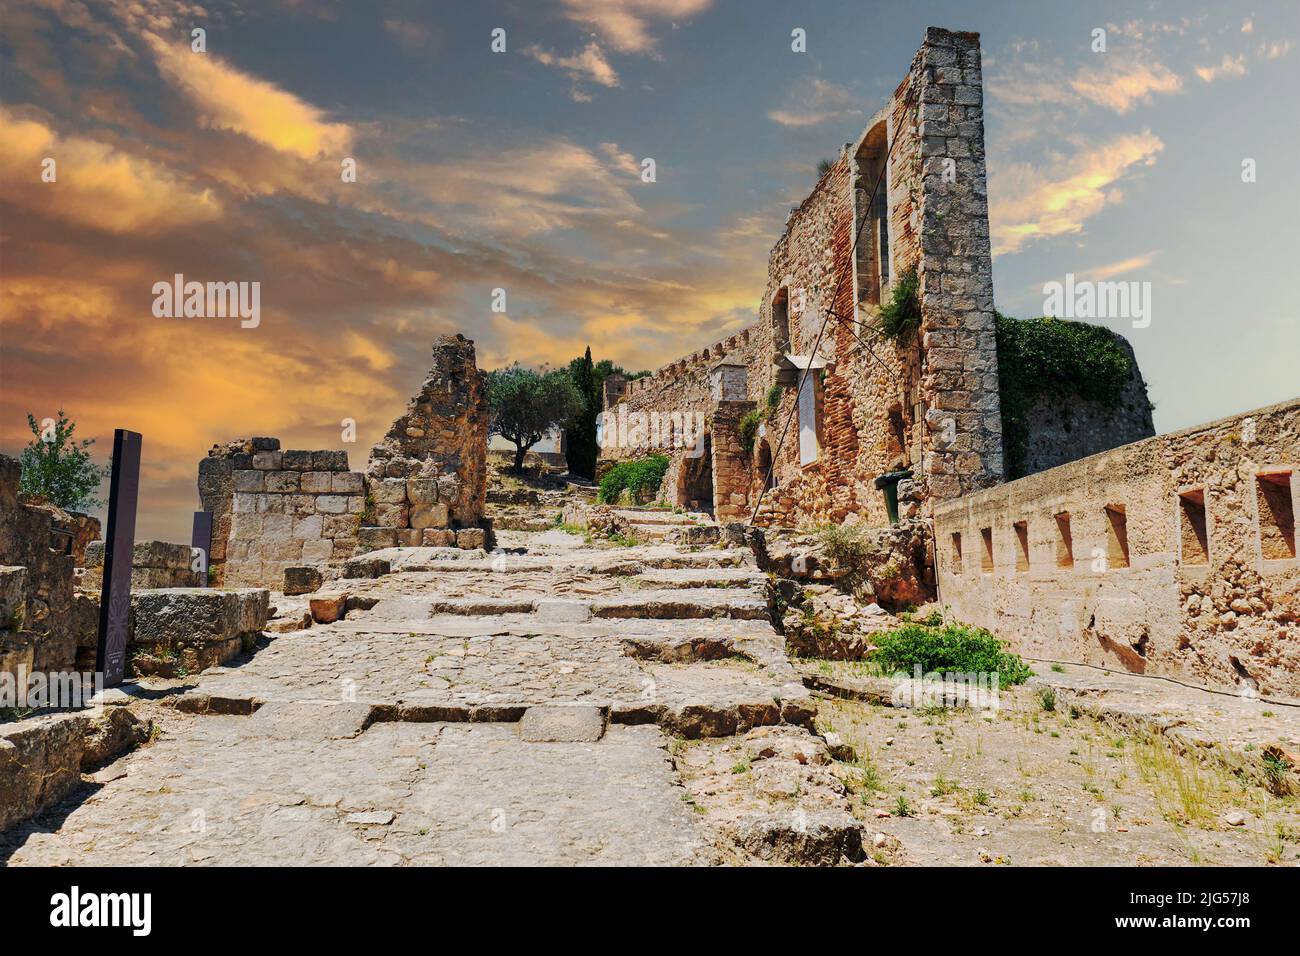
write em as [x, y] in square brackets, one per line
[1172, 556]
[442, 435]
[154, 564]
[929, 401]
[290, 508]
[682, 388]
[35, 582]
[1065, 428]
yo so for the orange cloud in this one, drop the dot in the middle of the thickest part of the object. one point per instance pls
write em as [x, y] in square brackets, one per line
[1123, 88]
[232, 100]
[1026, 203]
[625, 24]
[96, 184]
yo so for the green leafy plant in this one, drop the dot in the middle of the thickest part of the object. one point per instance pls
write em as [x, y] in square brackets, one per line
[901, 315]
[947, 647]
[747, 429]
[845, 545]
[641, 477]
[58, 467]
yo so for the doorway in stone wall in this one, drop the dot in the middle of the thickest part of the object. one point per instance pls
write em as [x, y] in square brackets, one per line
[695, 484]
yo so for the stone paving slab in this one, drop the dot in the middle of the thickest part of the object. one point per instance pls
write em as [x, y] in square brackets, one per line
[216, 790]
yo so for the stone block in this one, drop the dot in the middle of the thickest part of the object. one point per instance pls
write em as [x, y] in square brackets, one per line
[297, 460]
[340, 526]
[409, 537]
[282, 482]
[422, 491]
[40, 762]
[429, 516]
[302, 579]
[13, 598]
[250, 480]
[562, 724]
[366, 568]
[328, 608]
[393, 516]
[329, 461]
[317, 482]
[322, 549]
[347, 483]
[373, 539]
[332, 504]
[389, 491]
[268, 460]
[438, 538]
[471, 538]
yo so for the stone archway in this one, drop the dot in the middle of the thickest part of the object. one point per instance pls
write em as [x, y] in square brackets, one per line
[695, 480]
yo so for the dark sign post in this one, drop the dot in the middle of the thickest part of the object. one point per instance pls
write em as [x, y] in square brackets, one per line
[119, 545]
[201, 540]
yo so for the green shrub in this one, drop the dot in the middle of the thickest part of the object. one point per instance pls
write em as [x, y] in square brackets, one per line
[947, 647]
[640, 477]
[901, 315]
[747, 429]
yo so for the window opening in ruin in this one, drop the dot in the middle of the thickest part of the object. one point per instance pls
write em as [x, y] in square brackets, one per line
[781, 321]
[956, 552]
[764, 465]
[986, 558]
[898, 451]
[809, 406]
[1064, 541]
[1192, 530]
[1116, 536]
[1276, 515]
[872, 260]
[1022, 545]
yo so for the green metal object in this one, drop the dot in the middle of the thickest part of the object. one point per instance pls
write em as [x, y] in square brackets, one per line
[888, 483]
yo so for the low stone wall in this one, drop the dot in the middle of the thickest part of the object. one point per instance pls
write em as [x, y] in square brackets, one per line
[42, 757]
[185, 630]
[39, 636]
[1172, 556]
[154, 564]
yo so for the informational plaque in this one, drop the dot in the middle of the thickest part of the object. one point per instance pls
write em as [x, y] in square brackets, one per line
[201, 545]
[119, 546]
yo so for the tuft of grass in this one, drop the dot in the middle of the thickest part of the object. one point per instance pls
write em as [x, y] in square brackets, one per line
[901, 315]
[902, 808]
[1047, 698]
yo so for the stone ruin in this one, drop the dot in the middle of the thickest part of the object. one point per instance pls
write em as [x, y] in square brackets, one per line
[424, 485]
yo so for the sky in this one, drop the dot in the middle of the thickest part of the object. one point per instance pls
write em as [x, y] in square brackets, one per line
[522, 171]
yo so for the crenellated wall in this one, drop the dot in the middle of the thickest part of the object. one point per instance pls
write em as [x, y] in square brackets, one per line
[1173, 556]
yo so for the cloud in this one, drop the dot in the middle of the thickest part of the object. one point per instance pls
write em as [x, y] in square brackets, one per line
[1228, 66]
[232, 100]
[97, 186]
[815, 101]
[589, 64]
[1122, 267]
[1275, 50]
[626, 24]
[1027, 203]
[409, 34]
[1123, 87]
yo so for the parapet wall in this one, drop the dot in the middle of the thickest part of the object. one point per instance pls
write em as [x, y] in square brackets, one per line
[1173, 556]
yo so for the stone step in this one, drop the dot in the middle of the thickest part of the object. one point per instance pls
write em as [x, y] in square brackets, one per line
[682, 603]
[669, 578]
[652, 517]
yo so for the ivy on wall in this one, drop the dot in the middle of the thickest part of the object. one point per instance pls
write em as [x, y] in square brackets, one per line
[1049, 357]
